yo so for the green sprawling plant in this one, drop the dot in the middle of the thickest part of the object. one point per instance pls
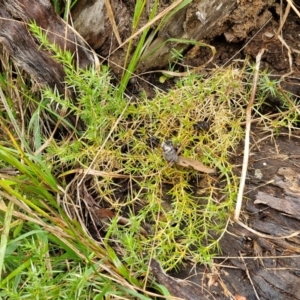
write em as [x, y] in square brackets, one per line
[48, 246]
[186, 210]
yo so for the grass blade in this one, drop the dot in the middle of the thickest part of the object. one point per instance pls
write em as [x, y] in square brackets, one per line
[5, 233]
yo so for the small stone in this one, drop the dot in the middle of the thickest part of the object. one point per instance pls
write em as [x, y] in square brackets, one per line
[169, 151]
[258, 174]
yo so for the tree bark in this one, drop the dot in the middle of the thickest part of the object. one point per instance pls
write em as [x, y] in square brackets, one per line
[92, 21]
[14, 36]
[106, 24]
[199, 19]
[25, 50]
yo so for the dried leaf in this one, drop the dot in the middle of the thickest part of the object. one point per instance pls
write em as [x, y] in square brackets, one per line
[170, 154]
[197, 165]
[212, 280]
[103, 213]
[239, 297]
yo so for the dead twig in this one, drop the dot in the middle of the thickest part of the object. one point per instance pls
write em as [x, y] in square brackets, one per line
[247, 138]
[267, 236]
[283, 20]
[290, 2]
[249, 277]
[246, 159]
[112, 20]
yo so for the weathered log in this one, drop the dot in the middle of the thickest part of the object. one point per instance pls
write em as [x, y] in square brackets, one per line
[25, 50]
[92, 21]
[201, 20]
[105, 24]
[196, 22]
[204, 20]
[288, 205]
[178, 288]
[273, 276]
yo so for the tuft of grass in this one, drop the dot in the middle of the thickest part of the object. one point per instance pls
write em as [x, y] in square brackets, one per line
[283, 109]
[39, 265]
[63, 7]
[44, 253]
[137, 48]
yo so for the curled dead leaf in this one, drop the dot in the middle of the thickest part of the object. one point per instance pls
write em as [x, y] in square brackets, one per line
[197, 165]
[170, 154]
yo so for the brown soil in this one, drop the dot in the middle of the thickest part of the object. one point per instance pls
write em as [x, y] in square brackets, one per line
[275, 59]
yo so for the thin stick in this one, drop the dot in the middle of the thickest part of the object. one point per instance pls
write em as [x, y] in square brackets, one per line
[48, 141]
[112, 20]
[247, 138]
[156, 18]
[249, 277]
[282, 22]
[104, 143]
[246, 159]
[290, 2]
[267, 236]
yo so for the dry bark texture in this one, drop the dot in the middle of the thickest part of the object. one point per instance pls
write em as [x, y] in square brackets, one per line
[251, 266]
[204, 20]
[194, 22]
[197, 21]
[14, 36]
[200, 20]
[91, 20]
[25, 50]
